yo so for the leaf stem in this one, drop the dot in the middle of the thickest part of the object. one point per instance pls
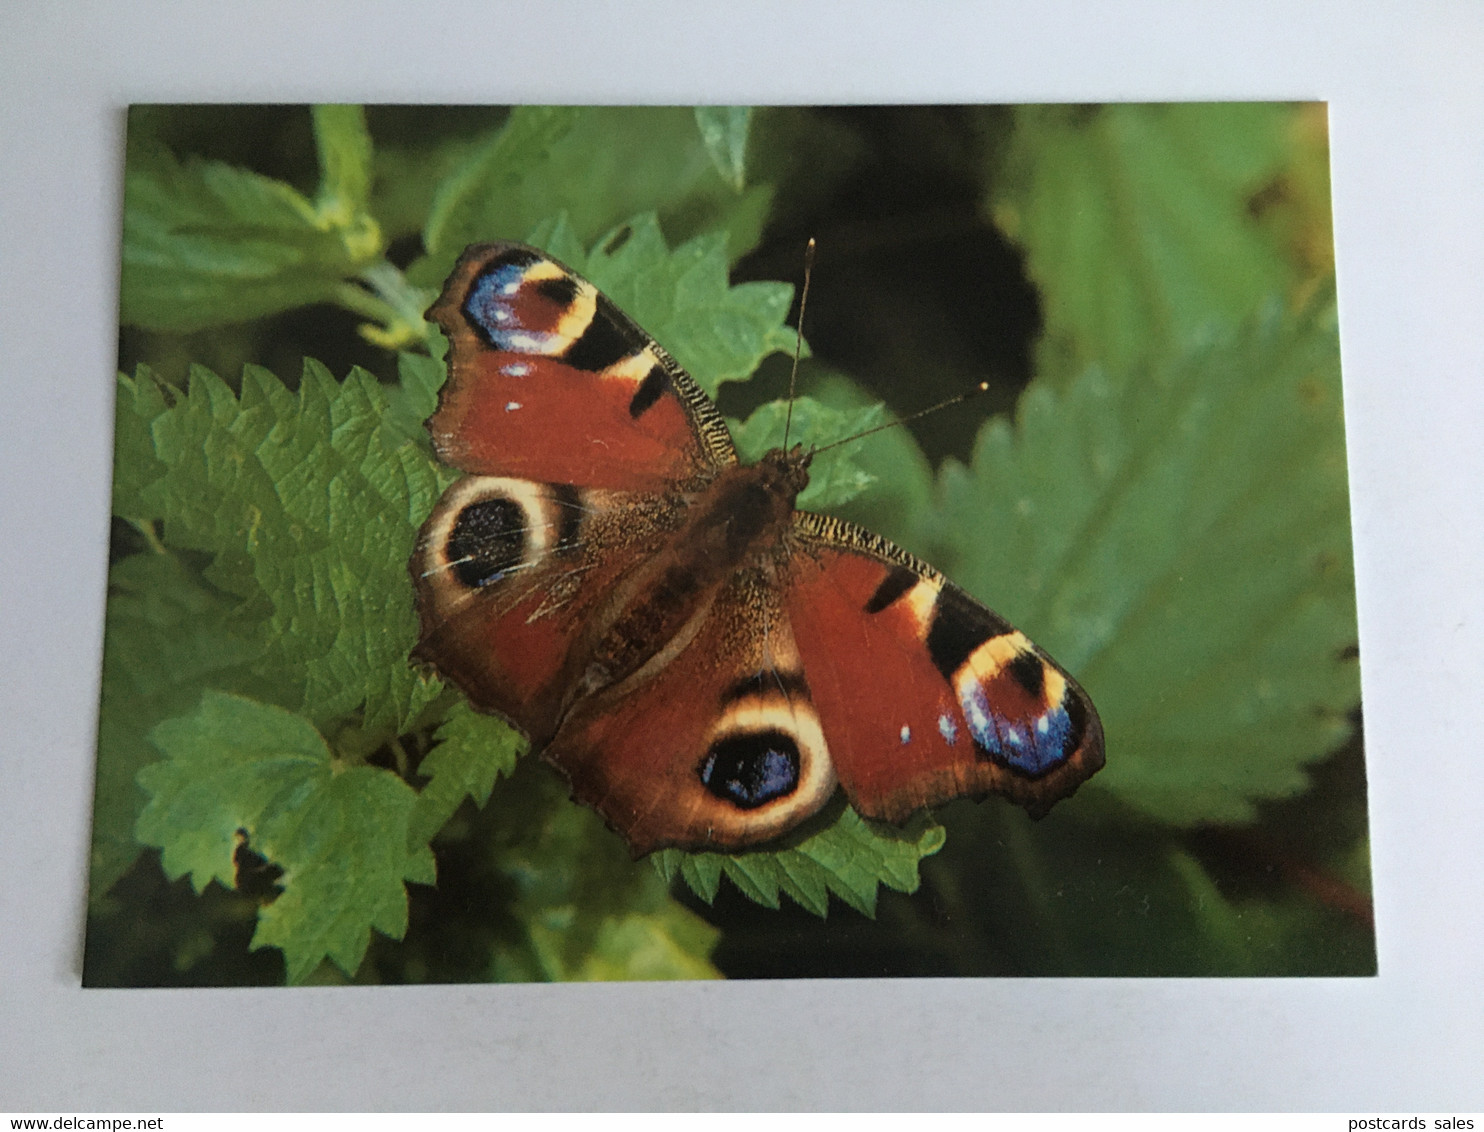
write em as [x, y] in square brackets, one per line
[393, 306]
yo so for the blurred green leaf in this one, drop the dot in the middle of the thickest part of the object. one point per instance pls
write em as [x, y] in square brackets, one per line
[207, 244]
[345, 163]
[1181, 543]
[596, 165]
[724, 131]
[474, 202]
[1139, 223]
[586, 910]
[849, 857]
[238, 765]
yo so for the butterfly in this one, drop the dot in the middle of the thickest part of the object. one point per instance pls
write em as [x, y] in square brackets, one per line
[705, 664]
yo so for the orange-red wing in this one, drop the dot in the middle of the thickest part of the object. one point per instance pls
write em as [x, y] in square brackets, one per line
[924, 694]
[549, 381]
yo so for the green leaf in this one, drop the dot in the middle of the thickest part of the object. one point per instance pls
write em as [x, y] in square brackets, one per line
[1181, 543]
[835, 476]
[597, 165]
[414, 398]
[138, 401]
[207, 244]
[849, 856]
[345, 163]
[584, 908]
[235, 764]
[682, 297]
[469, 204]
[903, 488]
[310, 502]
[166, 637]
[1139, 225]
[724, 132]
[1091, 890]
[471, 751]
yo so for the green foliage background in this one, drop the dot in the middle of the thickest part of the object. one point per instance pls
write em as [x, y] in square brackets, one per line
[1155, 491]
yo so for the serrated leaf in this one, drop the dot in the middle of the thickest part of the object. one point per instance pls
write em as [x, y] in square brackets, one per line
[849, 857]
[1138, 223]
[835, 477]
[724, 131]
[682, 297]
[138, 401]
[337, 832]
[471, 750]
[207, 244]
[310, 503]
[1181, 543]
[414, 398]
[166, 638]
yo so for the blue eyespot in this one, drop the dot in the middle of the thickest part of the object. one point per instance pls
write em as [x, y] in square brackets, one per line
[752, 768]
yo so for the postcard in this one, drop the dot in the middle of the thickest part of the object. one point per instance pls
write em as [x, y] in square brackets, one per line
[563, 543]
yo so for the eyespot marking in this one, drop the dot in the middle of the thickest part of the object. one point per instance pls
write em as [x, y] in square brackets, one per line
[751, 768]
[488, 539]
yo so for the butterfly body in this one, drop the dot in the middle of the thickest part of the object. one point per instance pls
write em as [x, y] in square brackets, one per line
[703, 662]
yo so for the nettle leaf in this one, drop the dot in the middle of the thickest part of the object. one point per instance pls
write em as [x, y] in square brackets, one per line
[415, 396]
[165, 638]
[849, 856]
[207, 244]
[310, 503]
[1139, 225]
[682, 297]
[835, 476]
[235, 766]
[471, 751]
[724, 131]
[138, 401]
[1181, 542]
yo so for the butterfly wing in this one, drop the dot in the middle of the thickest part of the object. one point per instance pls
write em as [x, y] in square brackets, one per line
[550, 382]
[924, 694]
[511, 573]
[579, 431]
[715, 744]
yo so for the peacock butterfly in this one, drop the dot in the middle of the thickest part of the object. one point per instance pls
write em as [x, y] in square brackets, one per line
[703, 663]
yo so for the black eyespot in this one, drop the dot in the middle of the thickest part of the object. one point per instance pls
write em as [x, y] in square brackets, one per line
[488, 539]
[751, 769]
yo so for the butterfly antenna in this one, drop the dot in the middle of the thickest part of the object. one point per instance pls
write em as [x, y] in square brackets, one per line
[793, 378]
[982, 387]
